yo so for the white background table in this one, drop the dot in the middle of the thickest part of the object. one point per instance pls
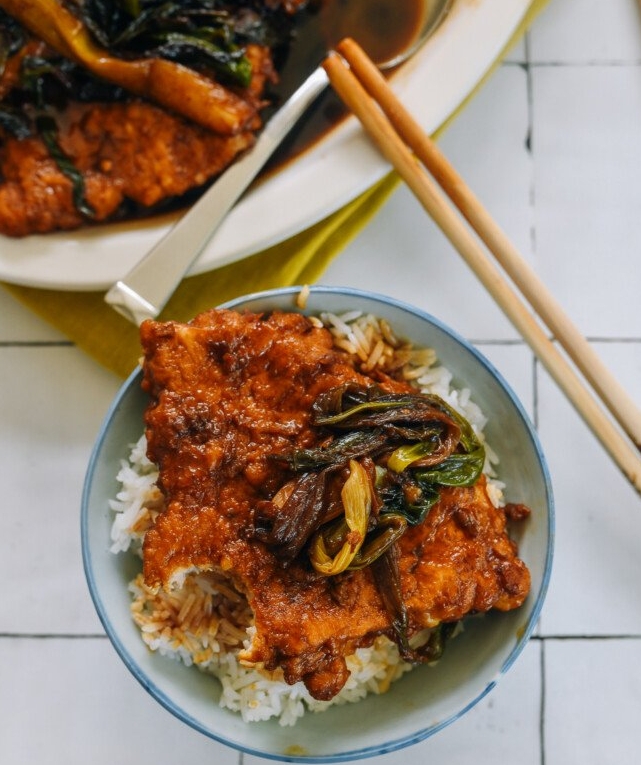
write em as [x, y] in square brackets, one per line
[552, 144]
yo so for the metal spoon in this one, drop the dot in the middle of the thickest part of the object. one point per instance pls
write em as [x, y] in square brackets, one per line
[145, 290]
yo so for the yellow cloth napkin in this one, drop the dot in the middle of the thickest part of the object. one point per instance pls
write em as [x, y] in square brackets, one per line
[113, 341]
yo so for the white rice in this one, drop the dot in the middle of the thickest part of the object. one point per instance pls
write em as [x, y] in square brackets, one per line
[206, 622]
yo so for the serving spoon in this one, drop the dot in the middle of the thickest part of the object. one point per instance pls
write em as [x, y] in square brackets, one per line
[144, 291]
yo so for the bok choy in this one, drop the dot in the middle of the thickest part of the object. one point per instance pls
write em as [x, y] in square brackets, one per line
[413, 443]
[392, 453]
[188, 56]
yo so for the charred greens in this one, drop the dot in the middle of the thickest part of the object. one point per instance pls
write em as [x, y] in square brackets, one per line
[418, 441]
[397, 450]
[408, 446]
[12, 38]
[48, 131]
[207, 35]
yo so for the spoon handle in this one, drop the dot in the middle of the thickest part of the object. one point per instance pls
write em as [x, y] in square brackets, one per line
[144, 291]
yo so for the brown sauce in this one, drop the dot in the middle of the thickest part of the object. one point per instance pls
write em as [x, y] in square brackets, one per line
[384, 29]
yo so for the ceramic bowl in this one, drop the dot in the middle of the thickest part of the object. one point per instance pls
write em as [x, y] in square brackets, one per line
[423, 701]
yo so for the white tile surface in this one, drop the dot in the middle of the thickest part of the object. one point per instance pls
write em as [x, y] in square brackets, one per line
[50, 417]
[597, 567]
[587, 32]
[500, 175]
[552, 146]
[592, 701]
[515, 362]
[72, 702]
[588, 193]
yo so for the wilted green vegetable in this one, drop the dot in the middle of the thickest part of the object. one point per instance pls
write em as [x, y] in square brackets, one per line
[48, 131]
[174, 53]
[200, 33]
[389, 528]
[356, 496]
[12, 38]
[401, 449]
[418, 441]
[297, 519]
[342, 448]
[187, 55]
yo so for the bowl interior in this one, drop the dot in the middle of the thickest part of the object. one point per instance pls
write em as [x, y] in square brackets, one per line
[424, 700]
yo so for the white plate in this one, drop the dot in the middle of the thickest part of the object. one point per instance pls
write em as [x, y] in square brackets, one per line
[334, 172]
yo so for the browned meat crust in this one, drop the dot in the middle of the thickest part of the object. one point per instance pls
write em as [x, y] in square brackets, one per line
[126, 152]
[227, 393]
[132, 152]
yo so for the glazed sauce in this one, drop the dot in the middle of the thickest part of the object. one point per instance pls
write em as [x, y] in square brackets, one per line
[382, 32]
[383, 28]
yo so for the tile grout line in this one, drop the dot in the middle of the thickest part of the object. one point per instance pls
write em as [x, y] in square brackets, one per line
[552, 64]
[631, 636]
[36, 344]
[542, 703]
[560, 637]
[52, 636]
[529, 145]
[535, 365]
[535, 392]
[513, 341]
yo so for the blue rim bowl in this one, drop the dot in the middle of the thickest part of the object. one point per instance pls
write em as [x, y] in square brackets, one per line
[423, 701]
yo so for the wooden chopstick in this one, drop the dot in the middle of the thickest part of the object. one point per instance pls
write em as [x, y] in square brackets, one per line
[368, 98]
[607, 387]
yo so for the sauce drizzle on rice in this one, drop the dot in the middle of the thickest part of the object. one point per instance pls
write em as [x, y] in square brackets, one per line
[208, 622]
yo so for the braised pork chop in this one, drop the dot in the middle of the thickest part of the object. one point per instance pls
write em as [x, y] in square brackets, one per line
[129, 156]
[228, 392]
[131, 153]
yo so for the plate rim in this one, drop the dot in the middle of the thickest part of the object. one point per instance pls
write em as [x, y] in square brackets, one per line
[93, 258]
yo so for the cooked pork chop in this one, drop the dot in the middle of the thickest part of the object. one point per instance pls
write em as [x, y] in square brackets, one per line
[230, 391]
[128, 154]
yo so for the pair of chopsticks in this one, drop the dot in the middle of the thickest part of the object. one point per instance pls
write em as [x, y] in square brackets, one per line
[364, 90]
